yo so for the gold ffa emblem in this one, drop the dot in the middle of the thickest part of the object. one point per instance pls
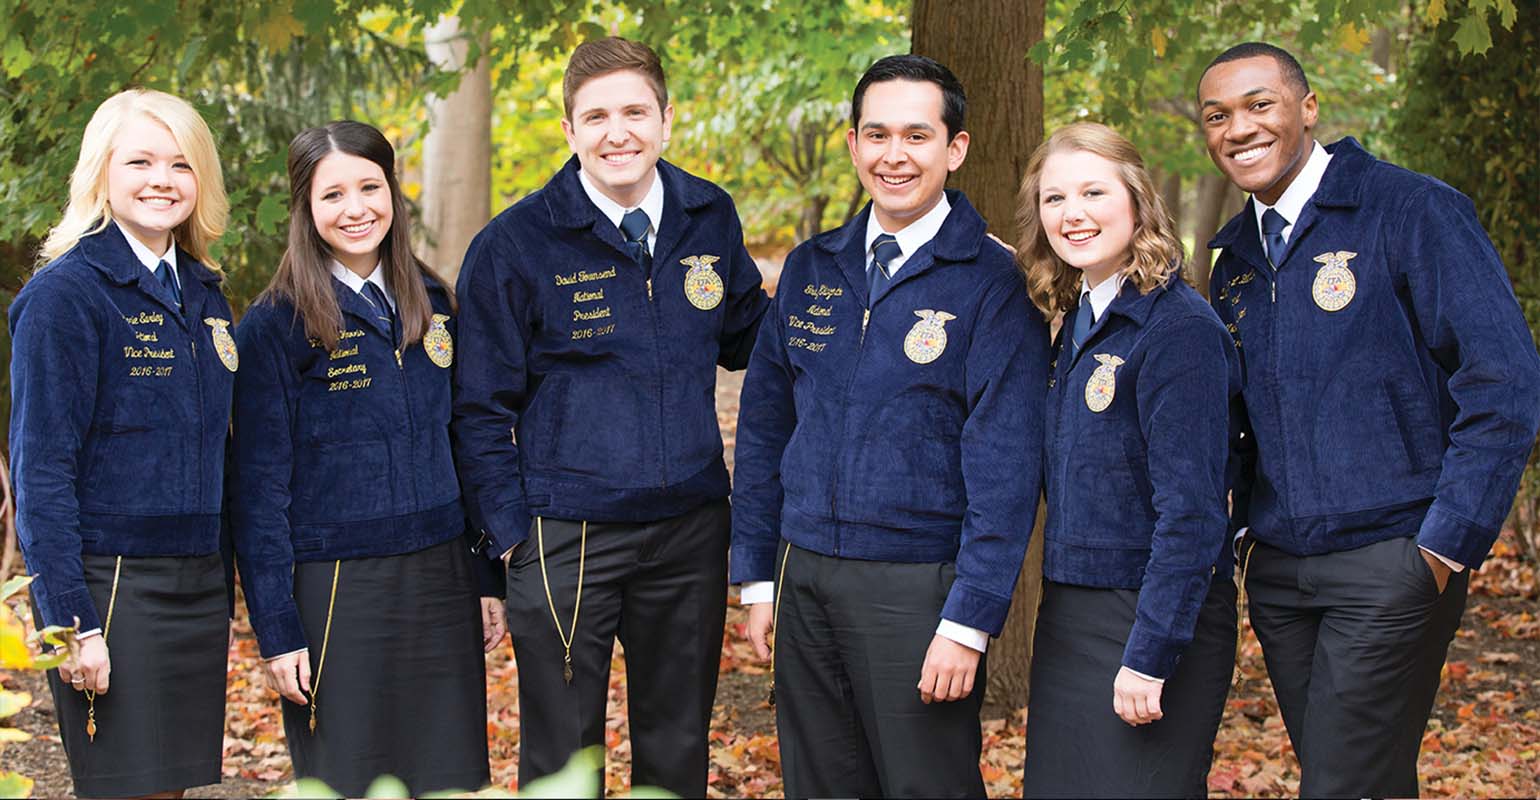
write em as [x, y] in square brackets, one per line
[1103, 383]
[1334, 282]
[439, 345]
[927, 339]
[702, 285]
[224, 343]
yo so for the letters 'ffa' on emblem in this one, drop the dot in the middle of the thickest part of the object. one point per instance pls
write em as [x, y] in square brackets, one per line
[927, 339]
[1334, 282]
[224, 343]
[1103, 383]
[702, 285]
[439, 345]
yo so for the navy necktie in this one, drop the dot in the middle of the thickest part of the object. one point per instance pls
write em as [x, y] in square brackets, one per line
[1273, 224]
[885, 251]
[168, 280]
[376, 298]
[635, 225]
[1084, 319]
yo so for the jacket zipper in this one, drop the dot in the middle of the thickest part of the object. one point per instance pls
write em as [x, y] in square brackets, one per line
[657, 356]
[834, 482]
[411, 427]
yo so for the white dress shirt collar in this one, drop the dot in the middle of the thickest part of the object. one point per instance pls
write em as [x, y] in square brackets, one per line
[1292, 203]
[1104, 293]
[351, 280]
[652, 204]
[148, 258]
[913, 236]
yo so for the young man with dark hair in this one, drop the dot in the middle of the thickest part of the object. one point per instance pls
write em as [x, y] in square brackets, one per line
[593, 316]
[888, 462]
[1390, 393]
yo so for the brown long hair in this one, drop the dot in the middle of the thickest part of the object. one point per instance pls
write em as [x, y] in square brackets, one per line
[1157, 251]
[304, 275]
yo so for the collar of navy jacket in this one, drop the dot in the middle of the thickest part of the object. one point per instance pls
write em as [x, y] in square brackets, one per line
[570, 207]
[1129, 304]
[112, 256]
[958, 240]
[1341, 187]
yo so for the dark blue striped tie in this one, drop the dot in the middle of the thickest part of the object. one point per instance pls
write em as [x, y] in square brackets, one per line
[1273, 224]
[635, 225]
[885, 251]
[382, 311]
[168, 279]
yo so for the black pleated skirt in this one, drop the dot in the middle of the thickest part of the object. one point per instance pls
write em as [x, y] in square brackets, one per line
[160, 726]
[1077, 746]
[403, 687]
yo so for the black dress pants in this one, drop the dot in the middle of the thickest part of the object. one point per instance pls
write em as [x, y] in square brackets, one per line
[1354, 643]
[662, 588]
[850, 640]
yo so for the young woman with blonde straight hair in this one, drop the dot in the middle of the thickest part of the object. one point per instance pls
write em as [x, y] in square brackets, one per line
[1136, 557]
[121, 373]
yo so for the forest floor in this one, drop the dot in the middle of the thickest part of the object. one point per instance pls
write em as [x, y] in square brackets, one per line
[1483, 739]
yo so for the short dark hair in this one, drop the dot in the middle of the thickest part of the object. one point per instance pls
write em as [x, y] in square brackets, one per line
[599, 57]
[1293, 73]
[954, 102]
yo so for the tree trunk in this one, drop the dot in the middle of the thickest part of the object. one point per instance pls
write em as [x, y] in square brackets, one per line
[457, 155]
[1218, 200]
[1171, 193]
[985, 43]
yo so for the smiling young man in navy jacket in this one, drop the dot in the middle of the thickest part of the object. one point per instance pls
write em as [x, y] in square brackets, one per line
[1390, 387]
[888, 461]
[593, 316]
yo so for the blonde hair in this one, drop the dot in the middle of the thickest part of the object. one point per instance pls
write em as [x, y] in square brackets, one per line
[1157, 252]
[88, 211]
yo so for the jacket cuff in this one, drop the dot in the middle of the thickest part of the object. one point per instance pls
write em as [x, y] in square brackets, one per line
[976, 609]
[506, 527]
[280, 632]
[73, 609]
[1455, 538]
[751, 562]
[1153, 656]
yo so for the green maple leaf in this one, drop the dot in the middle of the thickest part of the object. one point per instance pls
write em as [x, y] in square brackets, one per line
[1473, 35]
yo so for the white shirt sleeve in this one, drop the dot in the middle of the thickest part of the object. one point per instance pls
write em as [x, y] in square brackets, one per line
[755, 592]
[971, 638]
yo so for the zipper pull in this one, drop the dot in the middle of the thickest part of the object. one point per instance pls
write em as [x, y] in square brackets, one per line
[398, 358]
[649, 290]
[1274, 285]
[866, 316]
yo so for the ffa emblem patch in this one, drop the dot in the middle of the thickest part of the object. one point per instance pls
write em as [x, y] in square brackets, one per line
[439, 345]
[1103, 384]
[702, 285]
[224, 343]
[927, 339]
[1334, 282]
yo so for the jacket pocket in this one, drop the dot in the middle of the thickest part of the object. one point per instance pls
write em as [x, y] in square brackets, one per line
[342, 482]
[1417, 424]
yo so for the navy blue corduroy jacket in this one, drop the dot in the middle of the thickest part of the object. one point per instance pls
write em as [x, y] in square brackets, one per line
[119, 409]
[1136, 490]
[848, 446]
[605, 378]
[1408, 412]
[336, 455]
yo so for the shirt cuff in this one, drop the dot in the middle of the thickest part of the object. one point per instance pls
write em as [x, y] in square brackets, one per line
[971, 638]
[1448, 562]
[290, 653]
[755, 592]
[88, 634]
[1235, 544]
[1146, 677]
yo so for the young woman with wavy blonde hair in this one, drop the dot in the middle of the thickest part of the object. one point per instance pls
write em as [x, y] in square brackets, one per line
[1136, 557]
[121, 373]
